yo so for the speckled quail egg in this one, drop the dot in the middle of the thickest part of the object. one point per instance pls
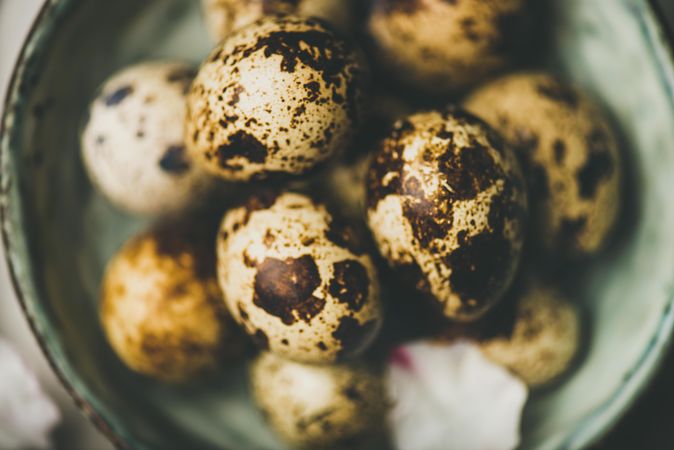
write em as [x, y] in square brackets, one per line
[298, 280]
[133, 143]
[447, 206]
[277, 97]
[161, 307]
[568, 153]
[224, 16]
[320, 407]
[542, 340]
[445, 46]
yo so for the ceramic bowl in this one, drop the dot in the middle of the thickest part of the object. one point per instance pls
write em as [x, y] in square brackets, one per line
[59, 233]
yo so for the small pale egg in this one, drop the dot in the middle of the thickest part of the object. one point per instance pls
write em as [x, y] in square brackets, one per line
[298, 281]
[447, 205]
[443, 46]
[161, 307]
[336, 407]
[279, 96]
[568, 152]
[540, 343]
[222, 17]
[133, 144]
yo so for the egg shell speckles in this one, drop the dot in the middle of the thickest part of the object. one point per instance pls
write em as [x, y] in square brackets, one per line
[447, 206]
[162, 309]
[543, 340]
[320, 407]
[224, 16]
[297, 280]
[411, 38]
[568, 152]
[133, 143]
[278, 96]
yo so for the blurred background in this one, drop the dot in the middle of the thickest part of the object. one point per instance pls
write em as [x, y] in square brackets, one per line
[646, 426]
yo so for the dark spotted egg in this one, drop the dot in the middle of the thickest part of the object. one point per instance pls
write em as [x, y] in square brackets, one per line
[337, 407]
[445, 46]
[222, 17]
[161, 307]
[447, 205]
[297, 280]
[568, 152]
[279, 96]
[133, 143]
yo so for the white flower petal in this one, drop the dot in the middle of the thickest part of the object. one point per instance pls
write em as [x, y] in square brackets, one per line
[450, 397]
[27, 415]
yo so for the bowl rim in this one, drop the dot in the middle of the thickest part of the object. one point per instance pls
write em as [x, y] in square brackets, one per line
[599, 423]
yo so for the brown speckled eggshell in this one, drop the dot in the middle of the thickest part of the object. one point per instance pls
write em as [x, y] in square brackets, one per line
[336, 407]
[279, 96]
[297, 280]
[447, 206]
[224, 16]
[161, 307]
[133, 144]
[543, 339]
[445, 46]
[568, 152]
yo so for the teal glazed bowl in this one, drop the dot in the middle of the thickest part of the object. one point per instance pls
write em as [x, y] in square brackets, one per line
[58, 232]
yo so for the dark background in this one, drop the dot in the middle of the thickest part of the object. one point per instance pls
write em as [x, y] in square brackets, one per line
[650, 423]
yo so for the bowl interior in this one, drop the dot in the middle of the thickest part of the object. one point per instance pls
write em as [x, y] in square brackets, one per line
[60, 232]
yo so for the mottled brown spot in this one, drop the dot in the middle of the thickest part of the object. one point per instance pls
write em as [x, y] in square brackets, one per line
[248, 260]
[118, 96]
[174, 160]
[279, 6]
[262, 200]
[468, 27]
[353, 335]
[468, 171]
[244, 145]
[236, 92]
[242, 312]
[350, 284]
[268, 239]
[598, 166]
[570, 230]
[559, 149]
[480, 268]
[284, 288]
[343, 235]
[261, 340]
[559, 92]
[385, 172]
[321, 346]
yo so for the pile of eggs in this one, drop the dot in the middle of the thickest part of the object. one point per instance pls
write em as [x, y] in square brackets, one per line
[298, 187]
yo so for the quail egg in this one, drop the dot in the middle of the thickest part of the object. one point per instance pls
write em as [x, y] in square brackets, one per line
[279, 96]
[224, 16]
[445, 46]
[161, 307]
[568, 153]
[298, 280]
[133, 144]
[447, 205]
[320, 407]
[542, 340]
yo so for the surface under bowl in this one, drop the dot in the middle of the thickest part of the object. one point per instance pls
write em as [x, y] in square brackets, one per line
[59, 232]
